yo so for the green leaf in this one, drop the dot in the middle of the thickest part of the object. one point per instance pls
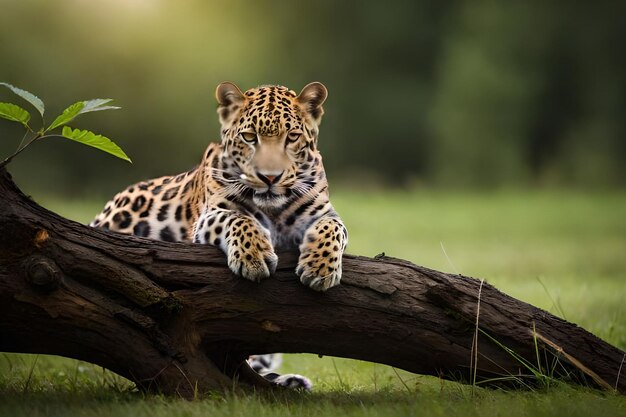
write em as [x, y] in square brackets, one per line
[81, 107]
[30, 97]
[97, 141]
[67, 116]
[14, 113]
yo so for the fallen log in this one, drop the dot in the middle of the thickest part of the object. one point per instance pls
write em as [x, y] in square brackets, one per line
[172, 318]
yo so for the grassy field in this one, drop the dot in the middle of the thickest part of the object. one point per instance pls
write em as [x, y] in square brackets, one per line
[561, 251]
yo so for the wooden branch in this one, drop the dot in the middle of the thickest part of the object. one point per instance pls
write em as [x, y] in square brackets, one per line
[172, 318]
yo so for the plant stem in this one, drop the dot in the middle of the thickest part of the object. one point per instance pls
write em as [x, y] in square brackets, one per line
[10, 158]
[37, 137]
[22, 141]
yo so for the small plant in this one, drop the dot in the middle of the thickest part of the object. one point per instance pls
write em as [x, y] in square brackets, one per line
[16, 113]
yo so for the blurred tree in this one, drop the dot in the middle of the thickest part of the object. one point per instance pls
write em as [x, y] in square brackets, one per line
[452, 93]
[530, 92]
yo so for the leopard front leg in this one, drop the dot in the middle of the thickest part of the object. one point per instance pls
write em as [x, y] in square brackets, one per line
[243, 239]
[319, 265]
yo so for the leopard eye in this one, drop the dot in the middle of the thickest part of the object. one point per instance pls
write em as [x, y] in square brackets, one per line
[293, 136]
[249, 137]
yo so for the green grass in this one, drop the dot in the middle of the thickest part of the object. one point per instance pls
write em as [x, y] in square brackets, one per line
[561, 251]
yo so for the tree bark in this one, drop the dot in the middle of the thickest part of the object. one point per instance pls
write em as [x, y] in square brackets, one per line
[172, 318]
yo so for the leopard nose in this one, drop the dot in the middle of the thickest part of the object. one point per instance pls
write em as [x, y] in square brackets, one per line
[269, 179]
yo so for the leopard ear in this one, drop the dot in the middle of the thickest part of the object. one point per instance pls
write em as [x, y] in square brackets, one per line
[230, 99]
[311, 99]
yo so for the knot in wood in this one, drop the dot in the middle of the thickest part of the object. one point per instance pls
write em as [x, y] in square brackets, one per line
[270, 327]
[42, 273]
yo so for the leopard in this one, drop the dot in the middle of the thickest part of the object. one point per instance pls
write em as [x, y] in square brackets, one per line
[261, 189]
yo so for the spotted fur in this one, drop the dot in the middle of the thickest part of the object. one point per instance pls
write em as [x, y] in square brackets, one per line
[261, 189]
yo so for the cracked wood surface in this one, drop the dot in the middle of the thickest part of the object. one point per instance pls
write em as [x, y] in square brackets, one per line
[172, 318]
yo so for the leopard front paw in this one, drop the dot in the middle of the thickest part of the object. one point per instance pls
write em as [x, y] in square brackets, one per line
[321, 251]
[321, 283]
[253, 265]
[320, 271]
[252, 260]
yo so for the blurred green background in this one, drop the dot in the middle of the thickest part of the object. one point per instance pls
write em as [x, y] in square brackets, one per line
[485, 138]
[426, 93]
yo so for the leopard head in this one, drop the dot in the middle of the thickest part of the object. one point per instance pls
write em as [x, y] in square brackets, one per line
[269, 135]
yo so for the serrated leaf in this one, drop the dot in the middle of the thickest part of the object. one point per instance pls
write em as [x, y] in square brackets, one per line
[14, 113]
[67, 116]
[98, 104]
[81, 107]
[89, 138]
[30, 97]
[103, 108]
